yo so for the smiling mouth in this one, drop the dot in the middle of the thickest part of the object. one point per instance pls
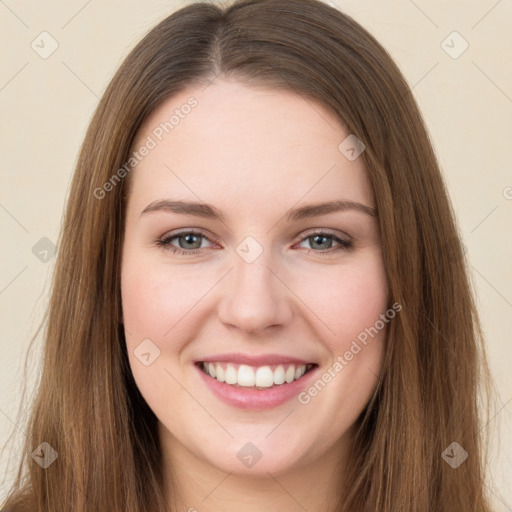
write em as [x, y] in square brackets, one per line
[261, 377]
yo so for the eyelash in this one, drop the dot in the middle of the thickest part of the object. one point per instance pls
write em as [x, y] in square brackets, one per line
[166, 245]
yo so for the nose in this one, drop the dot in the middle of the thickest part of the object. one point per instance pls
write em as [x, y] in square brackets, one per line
[255, 298]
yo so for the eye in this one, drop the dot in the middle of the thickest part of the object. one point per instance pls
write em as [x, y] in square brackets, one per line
[321, 238]
[190, 242]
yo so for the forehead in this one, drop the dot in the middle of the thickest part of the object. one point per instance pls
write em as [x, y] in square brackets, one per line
[243, 144]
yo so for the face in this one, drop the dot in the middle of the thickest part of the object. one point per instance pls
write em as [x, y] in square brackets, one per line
[289, 310]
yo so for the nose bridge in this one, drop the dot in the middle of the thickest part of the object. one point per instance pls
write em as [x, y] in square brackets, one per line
[256, 298]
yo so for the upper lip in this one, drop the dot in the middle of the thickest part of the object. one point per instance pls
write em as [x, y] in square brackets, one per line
[253, 360]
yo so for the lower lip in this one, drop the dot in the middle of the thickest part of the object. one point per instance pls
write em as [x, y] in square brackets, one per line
[256, 399]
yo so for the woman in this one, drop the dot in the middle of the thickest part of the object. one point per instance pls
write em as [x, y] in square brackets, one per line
[259, 369]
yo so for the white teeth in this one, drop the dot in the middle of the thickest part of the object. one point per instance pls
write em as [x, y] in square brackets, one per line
[245, 376]
[261, 377]
[264, 377]
[220, 373]
[290, 374]
[231, 375]
[279, 377]
[300, 371]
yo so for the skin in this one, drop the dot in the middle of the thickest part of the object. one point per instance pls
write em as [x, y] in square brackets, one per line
[253, 153]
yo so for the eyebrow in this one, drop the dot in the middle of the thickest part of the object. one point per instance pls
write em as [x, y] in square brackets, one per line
[304, 212]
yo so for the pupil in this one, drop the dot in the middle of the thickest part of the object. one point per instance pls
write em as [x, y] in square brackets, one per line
[189, 237]
[316, 237]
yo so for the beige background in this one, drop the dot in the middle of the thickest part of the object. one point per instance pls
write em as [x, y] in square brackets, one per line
[46, 105]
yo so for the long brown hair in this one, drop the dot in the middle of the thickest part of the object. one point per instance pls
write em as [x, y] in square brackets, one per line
[88, 407]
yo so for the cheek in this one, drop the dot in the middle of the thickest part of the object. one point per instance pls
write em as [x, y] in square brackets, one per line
[350, 312]
[347, 298]
[156, 305]
[155, 298]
